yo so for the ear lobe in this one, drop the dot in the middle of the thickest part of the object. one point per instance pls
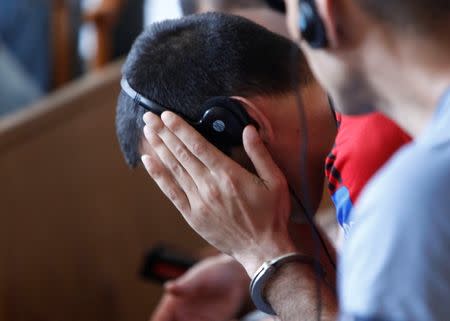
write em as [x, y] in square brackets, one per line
[257, 114]
[327, 12]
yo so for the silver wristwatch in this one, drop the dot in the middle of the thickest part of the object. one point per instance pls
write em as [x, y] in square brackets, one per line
[267, 270]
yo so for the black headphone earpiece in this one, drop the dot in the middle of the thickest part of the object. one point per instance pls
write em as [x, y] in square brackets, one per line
[223, 122]
[311, 25]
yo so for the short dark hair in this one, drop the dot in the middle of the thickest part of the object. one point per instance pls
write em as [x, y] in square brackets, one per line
[181, 63]
[418, 15]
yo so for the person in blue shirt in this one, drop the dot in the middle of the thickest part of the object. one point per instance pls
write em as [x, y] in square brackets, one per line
[395, 264]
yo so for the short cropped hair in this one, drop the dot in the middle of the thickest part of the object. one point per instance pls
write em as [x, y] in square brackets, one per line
[181, 63]
[419, 15]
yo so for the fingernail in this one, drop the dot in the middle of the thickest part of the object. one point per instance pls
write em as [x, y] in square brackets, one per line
[149, 118]
[168, 285]
[167, 117]
[145, 160]
[146, 117]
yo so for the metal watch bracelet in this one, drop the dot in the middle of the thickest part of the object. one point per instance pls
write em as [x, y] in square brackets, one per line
[268, 269]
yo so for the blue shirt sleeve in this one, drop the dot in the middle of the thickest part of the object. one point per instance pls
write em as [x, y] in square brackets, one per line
[396, 261]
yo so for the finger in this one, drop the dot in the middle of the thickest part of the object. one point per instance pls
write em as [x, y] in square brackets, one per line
[177, 147]
[184, 285]
[177, 289]
[203, 150]
[165, 311]
[263, 162]
[166, 182]
[171, 163]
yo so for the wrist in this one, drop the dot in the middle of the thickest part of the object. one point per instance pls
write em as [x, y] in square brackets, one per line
[255, 256]
[269, 270]
[238, 271]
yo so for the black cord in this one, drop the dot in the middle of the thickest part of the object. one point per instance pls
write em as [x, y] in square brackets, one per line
[318, 240]
[315, 229]
[333, 111]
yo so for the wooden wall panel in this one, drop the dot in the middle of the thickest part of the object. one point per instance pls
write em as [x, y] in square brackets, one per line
[75, 221]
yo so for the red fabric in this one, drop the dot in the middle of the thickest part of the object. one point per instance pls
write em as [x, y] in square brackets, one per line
[363, 145]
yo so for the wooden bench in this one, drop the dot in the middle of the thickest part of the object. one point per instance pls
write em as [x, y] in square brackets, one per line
[75, 222]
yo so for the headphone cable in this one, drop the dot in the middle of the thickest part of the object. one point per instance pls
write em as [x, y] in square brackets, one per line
[314, 227]
[319, 242]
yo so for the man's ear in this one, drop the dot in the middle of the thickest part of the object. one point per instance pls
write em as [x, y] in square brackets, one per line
[327, 12]
[257, 114]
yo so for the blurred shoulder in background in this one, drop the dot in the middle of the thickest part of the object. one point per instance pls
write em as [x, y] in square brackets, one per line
[256, 10]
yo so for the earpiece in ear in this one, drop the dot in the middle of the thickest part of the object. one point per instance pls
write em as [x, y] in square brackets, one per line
[311, 25]
[223, 122]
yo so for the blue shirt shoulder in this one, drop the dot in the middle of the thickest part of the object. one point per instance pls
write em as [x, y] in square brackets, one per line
[396, 261]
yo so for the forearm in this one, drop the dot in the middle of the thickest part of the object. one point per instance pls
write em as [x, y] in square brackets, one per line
[297, 292]
[296, 289]
[308, 243]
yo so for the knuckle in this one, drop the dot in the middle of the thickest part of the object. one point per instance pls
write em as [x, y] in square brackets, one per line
[201, 209]
[230, 183]
[156, 126]
[156, 174]
[175, 168]
[174, 123]
[257, 180]
[183, 208]
[154, 171]
[199, 148]
[212, 193]
[172, 195]
[182, 154]
[280, 182]
[155, 142]
[152, 139]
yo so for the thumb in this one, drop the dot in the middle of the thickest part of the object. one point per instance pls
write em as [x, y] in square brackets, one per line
[263, 162]
[184, 285]
[165, 311]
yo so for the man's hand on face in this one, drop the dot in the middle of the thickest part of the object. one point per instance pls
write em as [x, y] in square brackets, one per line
[239, 213]
[212, 290]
